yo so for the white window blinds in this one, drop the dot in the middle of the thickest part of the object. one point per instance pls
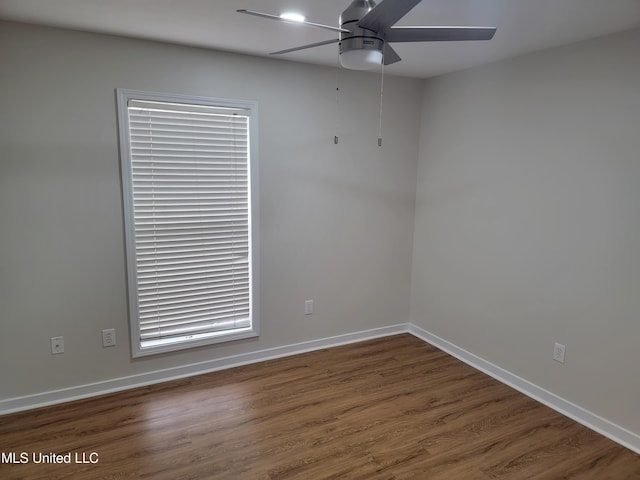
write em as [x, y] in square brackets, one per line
[190, 234]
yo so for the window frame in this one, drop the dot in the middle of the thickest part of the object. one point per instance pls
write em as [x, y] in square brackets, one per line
[122, 99]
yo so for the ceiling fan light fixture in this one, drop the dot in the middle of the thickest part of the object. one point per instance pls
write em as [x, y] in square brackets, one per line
[361, 59]
[293, 17]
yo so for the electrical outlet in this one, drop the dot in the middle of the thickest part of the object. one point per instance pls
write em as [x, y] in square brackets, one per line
[57, 345]
[308, 307]
[558, 352]
[109, 337]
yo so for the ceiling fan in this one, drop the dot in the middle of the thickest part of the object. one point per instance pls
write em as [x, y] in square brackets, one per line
[366, 30]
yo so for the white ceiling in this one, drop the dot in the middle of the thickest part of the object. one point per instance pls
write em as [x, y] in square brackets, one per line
[523, 26]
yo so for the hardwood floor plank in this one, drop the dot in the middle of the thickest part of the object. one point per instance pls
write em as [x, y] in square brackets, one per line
[386, 409]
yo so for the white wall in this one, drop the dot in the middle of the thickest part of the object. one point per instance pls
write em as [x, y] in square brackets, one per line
[336, 221]
[527, 227]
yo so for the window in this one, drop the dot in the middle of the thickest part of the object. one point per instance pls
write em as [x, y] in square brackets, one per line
[190, 200]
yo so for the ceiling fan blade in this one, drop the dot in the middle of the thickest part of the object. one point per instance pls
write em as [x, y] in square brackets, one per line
[386, 13]
[280, 19]
[438, 34]
[303, 47]
[389, 55]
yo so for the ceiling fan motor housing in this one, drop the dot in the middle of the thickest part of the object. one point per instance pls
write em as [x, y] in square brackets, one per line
[358, 38]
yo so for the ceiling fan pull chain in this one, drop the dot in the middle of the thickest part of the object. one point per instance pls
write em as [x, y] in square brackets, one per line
[337, 126]
[335, 137]
[381, 95]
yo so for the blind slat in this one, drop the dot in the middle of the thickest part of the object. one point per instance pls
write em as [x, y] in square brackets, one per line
[171, 285]
[194, 328]
[192, 292]
[177, 308]
[192, 316]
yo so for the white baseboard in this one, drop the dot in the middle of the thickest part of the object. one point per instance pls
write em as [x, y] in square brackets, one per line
[610, 430]
[53, 397]
[616, 433]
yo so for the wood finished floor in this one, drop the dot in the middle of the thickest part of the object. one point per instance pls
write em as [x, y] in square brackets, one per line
[390, 408]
